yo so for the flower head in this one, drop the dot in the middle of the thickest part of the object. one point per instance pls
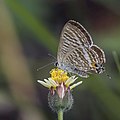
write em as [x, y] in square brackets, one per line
[59, 81]
[60, 86]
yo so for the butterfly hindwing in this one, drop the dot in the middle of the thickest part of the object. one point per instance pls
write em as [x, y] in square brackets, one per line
[100, 54]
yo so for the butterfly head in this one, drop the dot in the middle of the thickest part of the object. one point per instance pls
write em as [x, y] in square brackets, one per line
[56, 64]
[61, 66]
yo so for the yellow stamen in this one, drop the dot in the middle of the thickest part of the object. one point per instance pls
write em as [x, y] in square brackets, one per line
[59, 75]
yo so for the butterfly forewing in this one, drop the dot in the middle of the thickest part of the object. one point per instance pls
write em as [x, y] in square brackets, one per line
[81, 32]
[72, 36]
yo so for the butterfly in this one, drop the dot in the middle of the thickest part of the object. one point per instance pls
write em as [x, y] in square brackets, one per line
[76, 52]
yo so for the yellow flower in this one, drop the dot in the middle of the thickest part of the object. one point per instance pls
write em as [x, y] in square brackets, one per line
[59, 81]
[58, 75]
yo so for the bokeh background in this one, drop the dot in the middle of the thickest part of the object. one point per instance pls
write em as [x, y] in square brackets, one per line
[29, 31]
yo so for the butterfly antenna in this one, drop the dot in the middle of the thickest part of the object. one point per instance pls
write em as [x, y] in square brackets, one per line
[52, 56]
[45, 66]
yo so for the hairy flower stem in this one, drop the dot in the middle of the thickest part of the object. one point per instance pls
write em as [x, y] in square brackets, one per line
[60, 114]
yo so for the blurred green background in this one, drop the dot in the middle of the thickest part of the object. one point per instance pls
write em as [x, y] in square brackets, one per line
[29, 31]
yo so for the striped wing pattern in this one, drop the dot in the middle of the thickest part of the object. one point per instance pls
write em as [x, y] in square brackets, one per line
[76, 51]
[73, 36]
[99, 55]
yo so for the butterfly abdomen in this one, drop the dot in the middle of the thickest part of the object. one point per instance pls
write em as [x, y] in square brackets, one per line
[81, 73]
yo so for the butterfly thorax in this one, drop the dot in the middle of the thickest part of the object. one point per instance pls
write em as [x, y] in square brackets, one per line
[65, 67]
[71, 69]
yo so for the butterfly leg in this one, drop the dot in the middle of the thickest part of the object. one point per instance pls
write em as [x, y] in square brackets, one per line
[71, 74]
[83, 74]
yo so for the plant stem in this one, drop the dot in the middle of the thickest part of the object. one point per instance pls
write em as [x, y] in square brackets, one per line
[116, 60]
[60, 114]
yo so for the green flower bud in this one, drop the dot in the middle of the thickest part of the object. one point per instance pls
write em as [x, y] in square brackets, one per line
[56, 103]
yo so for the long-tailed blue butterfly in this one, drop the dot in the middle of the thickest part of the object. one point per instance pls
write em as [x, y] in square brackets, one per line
[76, 52]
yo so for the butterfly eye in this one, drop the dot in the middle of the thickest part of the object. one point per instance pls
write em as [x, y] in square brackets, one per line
[56, 64]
